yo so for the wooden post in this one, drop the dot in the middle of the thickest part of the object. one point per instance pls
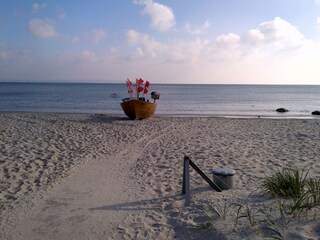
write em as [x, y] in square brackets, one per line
[186, 180]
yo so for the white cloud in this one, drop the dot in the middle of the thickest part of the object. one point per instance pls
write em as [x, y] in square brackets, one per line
[194, 51]
[43, 28]
[273, 38]
[162, 16]
[98, 35]
[318, 21]
[227, 46]
[176, 51]
[278, 34]
[89, 56]
[317, 1]
[38, 6]
[230, 38]
[145, 46]
[197, 30]
[132, 36]
[275, 48]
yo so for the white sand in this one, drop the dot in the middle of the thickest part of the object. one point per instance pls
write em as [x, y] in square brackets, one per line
[97, 177]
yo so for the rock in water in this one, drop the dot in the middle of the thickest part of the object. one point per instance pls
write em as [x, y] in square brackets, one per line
[282, 110]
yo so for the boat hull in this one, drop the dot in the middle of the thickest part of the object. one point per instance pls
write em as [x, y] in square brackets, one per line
[137, 109]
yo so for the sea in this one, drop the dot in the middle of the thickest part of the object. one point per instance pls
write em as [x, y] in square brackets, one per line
[175, 99]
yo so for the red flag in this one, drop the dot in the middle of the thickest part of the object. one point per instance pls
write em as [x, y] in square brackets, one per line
[146, 85]
[139, 89]
[130, 90]
[139, 81]
[129, 83]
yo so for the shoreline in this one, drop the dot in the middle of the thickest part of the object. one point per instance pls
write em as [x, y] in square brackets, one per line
[244, 116]
[102, 176]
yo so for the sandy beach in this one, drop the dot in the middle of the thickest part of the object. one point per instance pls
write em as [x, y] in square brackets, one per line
[81, 176]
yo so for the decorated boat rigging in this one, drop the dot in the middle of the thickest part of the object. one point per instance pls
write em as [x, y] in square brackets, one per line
[139, 106]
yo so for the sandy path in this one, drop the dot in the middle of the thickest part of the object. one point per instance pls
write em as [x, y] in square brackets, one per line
[67, 212]
[86, 204]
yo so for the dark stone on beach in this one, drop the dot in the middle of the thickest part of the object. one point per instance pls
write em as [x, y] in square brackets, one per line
[282, 110]
[315, 113]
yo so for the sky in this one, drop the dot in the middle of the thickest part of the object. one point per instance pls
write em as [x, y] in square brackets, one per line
[163, 41]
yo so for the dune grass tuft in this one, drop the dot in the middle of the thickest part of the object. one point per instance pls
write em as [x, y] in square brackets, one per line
[289, 183]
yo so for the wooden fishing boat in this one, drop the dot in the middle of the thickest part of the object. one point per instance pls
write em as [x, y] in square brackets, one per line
[138, 109]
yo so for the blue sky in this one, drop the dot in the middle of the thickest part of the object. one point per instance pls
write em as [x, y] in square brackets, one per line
[203, 41]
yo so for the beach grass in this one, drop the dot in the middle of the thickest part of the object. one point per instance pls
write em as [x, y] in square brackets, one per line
[295, 197]
[286, 183]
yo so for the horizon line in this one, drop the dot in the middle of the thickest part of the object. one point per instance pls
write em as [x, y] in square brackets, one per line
[116, 82]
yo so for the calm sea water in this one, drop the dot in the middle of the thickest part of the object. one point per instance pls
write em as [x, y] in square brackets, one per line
[223, 100]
